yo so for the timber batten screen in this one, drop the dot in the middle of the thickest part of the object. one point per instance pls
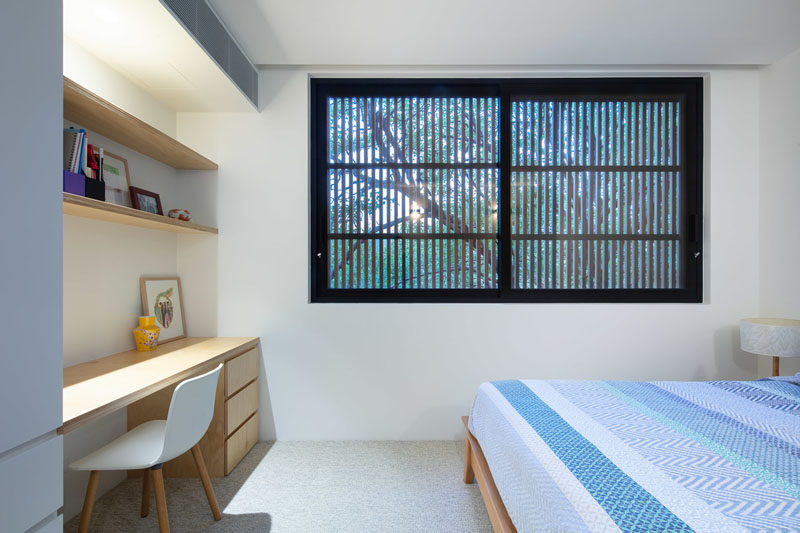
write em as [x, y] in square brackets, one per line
[596, 193]
[506, 190]
[413, 183]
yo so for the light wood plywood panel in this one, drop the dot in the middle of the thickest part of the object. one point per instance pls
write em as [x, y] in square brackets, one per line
[80, 206]
[240, 371]
[241, 406]
[94, 113]
[240, 443]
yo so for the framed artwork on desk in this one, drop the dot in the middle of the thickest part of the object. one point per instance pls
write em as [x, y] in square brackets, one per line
[162, 298]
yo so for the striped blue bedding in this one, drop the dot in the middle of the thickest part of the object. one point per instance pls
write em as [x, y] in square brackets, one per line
[717, 456]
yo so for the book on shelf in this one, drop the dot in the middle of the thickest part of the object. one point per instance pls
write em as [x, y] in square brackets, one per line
[80, 157]
[71, 144]
[74, 140]
[93, 163]
[79, 162]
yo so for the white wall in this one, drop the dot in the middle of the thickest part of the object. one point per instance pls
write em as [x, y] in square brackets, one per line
[407, 371]
[102, 266]
[197, 254]
[85, 69]
[779, 192]
[30, 264]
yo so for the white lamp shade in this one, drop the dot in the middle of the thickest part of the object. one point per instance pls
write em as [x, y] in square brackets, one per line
[771, 336]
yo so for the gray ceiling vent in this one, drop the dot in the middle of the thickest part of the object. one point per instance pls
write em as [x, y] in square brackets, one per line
[208, 30]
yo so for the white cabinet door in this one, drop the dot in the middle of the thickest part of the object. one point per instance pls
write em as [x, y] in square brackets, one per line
[32, 484]
[56, 525]
[31, 147]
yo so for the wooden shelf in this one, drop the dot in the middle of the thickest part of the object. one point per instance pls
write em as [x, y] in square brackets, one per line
[99, 387]
[92, 112]
[89, 208]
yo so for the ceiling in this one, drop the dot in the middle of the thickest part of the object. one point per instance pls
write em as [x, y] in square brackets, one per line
[513, 32]
[141, 40]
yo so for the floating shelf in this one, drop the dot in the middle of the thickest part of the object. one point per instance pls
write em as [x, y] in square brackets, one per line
[94, 113]
[90, 208]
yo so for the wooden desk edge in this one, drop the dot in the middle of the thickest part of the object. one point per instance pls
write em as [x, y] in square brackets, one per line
[73, 423]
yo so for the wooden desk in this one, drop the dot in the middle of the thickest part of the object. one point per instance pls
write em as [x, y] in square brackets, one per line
[144, 381]
[99, 387]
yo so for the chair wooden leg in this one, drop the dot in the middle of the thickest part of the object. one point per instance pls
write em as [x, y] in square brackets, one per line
[161, 499]
[201, 468]
[146, 493]
[88, 501]
[469, 474]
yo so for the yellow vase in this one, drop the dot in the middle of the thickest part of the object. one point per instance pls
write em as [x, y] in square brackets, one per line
[146, 335]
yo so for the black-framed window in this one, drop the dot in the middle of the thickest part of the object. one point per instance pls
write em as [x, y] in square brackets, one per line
[552, 190]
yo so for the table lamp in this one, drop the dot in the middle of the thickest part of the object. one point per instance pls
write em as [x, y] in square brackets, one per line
[778, 337]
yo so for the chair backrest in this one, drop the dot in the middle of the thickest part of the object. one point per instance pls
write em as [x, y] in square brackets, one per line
[190, 413]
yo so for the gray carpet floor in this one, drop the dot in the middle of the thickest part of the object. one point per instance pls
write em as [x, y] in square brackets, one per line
[350, 486]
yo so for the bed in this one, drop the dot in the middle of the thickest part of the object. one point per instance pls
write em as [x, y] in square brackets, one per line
[637, 456]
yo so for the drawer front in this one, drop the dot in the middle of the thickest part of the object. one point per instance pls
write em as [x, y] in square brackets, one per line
[240, 406]
[240, 371]
[240, 443]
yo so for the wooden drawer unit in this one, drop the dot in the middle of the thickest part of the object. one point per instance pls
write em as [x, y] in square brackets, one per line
[238, 444]
[234, 428]
[240, 371]
[240, 406]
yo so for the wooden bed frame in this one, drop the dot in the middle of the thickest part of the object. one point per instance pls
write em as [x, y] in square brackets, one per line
[475, 466]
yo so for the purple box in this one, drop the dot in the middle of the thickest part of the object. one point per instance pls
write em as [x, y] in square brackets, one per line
[74, 183]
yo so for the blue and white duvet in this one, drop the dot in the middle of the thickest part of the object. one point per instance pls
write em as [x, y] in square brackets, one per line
[719, 456]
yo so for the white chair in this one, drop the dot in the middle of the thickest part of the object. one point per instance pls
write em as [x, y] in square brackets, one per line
[148, 446]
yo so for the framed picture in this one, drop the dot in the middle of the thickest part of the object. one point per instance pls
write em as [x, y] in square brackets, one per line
[117, 178]
[146, 201]
[162, 298]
